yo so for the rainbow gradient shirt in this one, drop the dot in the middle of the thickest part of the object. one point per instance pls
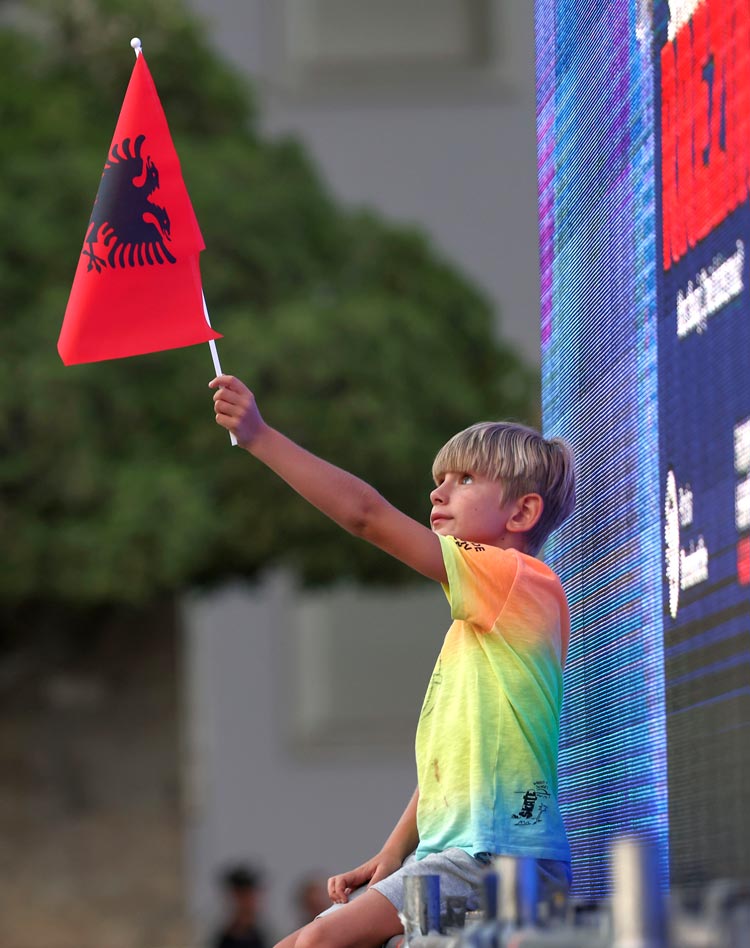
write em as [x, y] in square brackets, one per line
[488, 731]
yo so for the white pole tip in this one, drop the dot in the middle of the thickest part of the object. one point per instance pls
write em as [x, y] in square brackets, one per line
[136, 44]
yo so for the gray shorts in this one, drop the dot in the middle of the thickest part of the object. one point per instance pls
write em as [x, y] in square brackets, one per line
[461, 875]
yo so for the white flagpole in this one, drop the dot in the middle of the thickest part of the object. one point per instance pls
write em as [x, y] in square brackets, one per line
[215, 356]
[138, 48]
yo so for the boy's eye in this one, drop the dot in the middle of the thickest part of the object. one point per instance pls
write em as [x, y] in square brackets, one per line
[466, 479]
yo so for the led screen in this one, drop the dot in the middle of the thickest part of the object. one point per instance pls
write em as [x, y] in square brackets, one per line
[644, 218]
[702, 70]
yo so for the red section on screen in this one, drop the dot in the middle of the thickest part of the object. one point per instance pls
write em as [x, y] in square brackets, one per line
[743, 561]
[705, 148]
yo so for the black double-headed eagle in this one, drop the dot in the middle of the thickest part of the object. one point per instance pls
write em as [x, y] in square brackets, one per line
[131, 228]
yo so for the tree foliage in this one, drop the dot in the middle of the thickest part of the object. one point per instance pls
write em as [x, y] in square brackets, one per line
[359, 339]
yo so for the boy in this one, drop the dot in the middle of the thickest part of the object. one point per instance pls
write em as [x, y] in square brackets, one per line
[488, 730]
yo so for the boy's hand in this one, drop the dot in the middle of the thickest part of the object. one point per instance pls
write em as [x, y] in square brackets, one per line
[375, 869]
[236, 409]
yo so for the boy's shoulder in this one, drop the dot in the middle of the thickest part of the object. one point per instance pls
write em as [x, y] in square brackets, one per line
[528, 571]
[536, 572]
[520, 560]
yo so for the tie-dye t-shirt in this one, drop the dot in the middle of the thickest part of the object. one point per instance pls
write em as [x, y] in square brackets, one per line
[488, 731]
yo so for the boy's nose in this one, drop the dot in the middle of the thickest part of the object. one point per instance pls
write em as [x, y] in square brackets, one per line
[436, 495]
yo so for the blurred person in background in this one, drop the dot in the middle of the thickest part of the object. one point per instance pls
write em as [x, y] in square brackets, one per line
[242, 886]
[311, 897]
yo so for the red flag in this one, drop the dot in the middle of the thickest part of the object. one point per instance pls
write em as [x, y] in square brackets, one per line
[137, 287]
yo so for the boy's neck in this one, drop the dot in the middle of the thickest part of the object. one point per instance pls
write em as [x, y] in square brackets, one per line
[515, 543]
[511, 541]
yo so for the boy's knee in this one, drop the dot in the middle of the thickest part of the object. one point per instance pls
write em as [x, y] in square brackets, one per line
[289, 942]
[312, 936]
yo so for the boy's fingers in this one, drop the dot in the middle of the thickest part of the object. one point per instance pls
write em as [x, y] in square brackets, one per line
[225, 395]
[222, 408]
[339, 887]
[223, 381]
[240, 401]
[223, 392]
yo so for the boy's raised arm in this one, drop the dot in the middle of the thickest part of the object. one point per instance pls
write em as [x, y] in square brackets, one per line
[349, 501]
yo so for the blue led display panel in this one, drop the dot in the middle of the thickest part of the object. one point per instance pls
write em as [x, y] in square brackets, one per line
[598, 255]
[644, 169]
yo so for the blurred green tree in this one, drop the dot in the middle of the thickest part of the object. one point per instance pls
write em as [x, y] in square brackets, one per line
[116, 486]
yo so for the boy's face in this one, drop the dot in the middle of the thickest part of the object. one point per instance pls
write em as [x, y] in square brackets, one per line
[468, 506]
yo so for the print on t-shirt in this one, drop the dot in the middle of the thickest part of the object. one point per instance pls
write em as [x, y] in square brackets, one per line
[532, 807]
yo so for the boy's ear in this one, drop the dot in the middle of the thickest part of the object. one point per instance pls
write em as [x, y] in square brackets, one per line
[526, 513]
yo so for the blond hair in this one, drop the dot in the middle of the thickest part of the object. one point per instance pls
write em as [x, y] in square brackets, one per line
[523, 461]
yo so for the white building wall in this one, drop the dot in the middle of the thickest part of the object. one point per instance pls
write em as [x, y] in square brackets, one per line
[444, 143]
[299, 720]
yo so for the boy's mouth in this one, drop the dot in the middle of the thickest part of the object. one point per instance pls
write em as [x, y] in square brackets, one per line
[437, 518]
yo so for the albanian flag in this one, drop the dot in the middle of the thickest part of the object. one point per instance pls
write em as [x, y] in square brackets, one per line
[137, 287]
